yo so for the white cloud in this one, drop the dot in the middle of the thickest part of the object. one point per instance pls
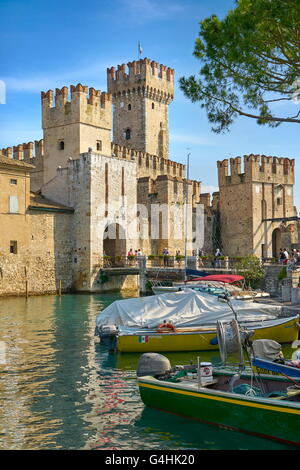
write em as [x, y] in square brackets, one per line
[209, 189]
[147, 10]
[192, 139]
[46, 81]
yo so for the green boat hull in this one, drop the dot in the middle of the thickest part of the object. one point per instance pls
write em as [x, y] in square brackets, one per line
[268, 418]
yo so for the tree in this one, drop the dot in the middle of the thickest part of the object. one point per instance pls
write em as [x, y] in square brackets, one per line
[251, 269]
[251, 60]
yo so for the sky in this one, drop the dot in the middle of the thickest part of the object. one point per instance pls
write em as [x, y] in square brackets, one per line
[49, 44]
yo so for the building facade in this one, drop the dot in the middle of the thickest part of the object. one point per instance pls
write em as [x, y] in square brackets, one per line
[82, 197]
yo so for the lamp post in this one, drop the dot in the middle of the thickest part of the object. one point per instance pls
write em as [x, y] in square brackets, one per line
[186, 211]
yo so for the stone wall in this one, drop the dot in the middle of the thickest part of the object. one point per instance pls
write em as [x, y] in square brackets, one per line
[253, 204]
[271, 283]
[42, 260]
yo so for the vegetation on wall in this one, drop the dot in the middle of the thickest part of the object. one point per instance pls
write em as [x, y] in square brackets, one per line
[250, 267]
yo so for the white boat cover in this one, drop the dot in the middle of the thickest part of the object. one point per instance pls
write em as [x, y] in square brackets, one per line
[183, 309]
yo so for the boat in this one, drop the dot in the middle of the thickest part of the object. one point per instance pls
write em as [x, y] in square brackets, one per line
[185, 321]
[213, 284]
[268, 359]
[274, 414]
[282, 330]
[264, 405]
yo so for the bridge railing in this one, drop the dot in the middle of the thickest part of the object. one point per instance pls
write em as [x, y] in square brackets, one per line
[170, 261]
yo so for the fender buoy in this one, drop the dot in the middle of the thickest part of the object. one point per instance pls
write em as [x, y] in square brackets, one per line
[166, 328]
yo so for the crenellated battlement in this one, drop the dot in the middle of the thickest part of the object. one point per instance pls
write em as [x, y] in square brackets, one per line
[29, 152]
[149, 165]
[257, 168]
[80, 103]
[145, 76]
[210, 202]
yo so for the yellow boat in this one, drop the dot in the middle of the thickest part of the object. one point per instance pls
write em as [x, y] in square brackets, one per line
[282, 330]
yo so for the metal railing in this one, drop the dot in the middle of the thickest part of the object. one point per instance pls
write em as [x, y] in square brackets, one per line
[163, 261]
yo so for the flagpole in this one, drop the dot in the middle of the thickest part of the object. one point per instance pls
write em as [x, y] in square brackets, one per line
[186, 214]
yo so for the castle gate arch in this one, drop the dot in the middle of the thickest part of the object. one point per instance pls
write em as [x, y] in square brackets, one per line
[114, 240]
[276, 242]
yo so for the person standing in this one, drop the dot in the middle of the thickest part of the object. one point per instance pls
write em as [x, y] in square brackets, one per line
[166, 257]
[286, 256]
[218, 258]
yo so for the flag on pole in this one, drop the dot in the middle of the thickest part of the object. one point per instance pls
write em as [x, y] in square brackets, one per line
[139, 49]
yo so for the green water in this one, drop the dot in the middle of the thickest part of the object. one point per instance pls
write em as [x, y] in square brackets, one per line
[61, 390]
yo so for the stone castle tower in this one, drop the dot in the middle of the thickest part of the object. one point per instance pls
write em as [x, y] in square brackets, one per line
[257, 205]
[73, 124]
[141, 97]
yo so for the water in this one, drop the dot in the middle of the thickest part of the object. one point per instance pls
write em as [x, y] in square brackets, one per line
[61, 390]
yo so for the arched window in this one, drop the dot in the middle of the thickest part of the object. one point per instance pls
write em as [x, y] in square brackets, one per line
[61, 145]
[99, 145]
[127, 134]
[152, 105]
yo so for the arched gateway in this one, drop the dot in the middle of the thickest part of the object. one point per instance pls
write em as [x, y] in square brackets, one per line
[114, 240]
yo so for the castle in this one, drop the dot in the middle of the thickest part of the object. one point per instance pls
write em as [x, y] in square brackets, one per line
[77, 195]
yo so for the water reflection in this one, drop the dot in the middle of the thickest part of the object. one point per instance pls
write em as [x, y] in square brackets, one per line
[61, 390]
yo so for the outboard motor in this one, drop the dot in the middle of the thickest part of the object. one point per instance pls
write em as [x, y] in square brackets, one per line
[153, 364]
[108, 336]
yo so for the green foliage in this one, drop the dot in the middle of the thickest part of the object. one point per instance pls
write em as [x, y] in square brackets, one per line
[250, 60]
[103, 278]
[251, 269]
[151, 257]
[282, 275]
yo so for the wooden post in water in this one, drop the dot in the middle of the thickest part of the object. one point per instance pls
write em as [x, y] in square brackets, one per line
[26, 282]
[142, 273]
[59, 288]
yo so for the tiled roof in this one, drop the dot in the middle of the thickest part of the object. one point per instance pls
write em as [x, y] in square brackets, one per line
[13, 162]
[38, 201]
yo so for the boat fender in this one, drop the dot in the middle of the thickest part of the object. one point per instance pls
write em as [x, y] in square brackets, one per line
[214, 341]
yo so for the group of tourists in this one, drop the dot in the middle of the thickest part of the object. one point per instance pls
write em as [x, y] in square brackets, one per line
[133, 256]
[289, 257]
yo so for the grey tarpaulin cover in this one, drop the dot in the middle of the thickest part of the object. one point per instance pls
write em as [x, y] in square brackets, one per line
[266, 349]
[183, 309]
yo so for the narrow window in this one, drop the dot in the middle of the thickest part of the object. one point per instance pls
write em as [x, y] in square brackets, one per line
[128, 134]
[61, 145]
[13, 247]
[99, 145]
[279, 201]
[175, 187]
[106, 189]
[152, 105]
[13, 204]
[123, 183]
[129, 107]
